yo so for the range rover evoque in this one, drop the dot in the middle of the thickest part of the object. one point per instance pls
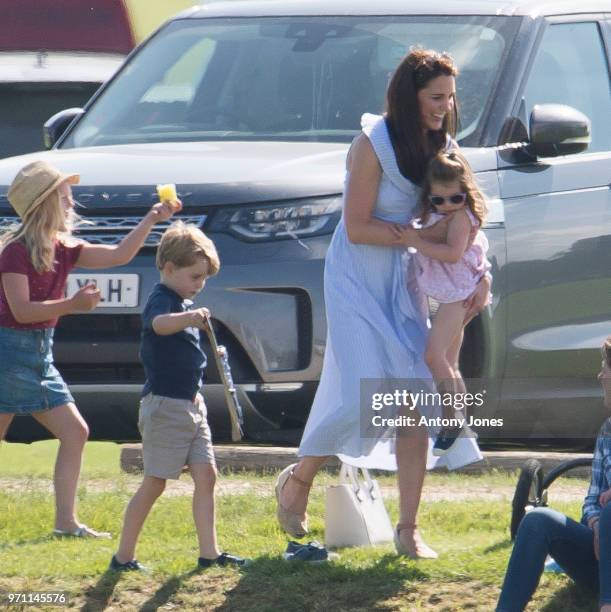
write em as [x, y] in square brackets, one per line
[249, 107]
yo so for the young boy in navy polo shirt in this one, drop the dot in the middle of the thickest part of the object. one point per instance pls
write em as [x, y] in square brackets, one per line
[172, 418]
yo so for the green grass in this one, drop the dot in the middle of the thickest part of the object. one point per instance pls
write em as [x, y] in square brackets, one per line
[100, 460]
[471, 535]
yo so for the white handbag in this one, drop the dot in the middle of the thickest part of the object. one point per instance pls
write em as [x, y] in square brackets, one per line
[355, 514]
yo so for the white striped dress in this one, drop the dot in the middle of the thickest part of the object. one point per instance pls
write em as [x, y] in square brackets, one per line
[377, 328]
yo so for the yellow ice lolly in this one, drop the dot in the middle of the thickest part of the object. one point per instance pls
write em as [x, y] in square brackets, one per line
[167, 193]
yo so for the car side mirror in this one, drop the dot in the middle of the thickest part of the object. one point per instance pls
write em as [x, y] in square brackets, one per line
[56, 125]
[557, 129]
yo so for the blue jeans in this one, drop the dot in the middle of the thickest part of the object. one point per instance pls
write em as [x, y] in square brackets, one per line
[571, 544]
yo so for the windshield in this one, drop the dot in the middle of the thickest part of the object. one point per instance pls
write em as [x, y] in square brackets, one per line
[299, 79]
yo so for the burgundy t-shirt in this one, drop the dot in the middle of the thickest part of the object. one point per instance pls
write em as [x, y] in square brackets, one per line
[46, 286]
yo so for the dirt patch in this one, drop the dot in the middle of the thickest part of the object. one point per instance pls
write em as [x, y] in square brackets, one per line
[560, 491]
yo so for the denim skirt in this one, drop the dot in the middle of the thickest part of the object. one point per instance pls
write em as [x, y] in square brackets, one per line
[29, 381]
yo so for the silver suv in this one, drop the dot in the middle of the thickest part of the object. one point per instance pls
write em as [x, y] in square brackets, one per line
[250, 108]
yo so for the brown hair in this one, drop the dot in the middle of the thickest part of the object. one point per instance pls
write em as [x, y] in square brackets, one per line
[448, 167]
[182, 244]
[413, 145]
[607, 351]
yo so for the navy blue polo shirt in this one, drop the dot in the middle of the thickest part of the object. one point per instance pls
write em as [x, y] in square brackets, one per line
[173, 364]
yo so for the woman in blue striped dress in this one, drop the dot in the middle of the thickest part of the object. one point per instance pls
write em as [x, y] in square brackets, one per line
[377, 322]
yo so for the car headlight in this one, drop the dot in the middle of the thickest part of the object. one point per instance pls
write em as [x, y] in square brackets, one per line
[281, 220]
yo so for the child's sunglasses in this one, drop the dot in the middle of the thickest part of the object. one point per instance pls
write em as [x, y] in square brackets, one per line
[455, 198]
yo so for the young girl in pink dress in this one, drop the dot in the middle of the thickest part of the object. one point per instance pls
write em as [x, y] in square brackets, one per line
[448, 272]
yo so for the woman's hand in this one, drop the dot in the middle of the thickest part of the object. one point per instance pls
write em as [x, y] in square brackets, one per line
[476, 302]
[405, 235]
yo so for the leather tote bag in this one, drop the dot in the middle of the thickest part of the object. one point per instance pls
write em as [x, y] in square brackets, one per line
[355, 514]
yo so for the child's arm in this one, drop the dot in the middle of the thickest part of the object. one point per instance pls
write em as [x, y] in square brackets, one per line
[437, 233]
[173, 322]
[17, 291]
[456, 243]
[104, 256]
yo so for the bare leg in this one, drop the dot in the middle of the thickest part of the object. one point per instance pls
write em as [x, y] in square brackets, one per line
[443, 347]
[453, 358]
[204, 478]
[294, 497]
[135, 515]
[453, 353]
[66, 423]
[411, 463]
[5, 421]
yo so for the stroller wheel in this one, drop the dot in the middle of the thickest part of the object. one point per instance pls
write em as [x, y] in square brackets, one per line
[527, 494]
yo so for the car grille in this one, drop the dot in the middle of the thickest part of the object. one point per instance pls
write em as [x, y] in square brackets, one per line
[103, 349]
[112, 229]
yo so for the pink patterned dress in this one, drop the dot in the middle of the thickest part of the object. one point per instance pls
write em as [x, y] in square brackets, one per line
[453, 282]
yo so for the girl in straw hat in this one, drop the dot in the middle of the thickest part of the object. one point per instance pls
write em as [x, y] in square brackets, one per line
[35, 259]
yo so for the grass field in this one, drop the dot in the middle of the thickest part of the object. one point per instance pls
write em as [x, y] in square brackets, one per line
[471, 535]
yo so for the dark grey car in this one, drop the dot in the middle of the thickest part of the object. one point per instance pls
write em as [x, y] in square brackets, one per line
[250, 108]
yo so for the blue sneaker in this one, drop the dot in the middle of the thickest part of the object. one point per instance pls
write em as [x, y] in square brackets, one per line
[223, 560]
[445, 440]
[312, 552]
[129, 566]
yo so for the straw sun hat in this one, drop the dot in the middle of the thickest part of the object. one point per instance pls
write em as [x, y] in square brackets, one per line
[34, 183]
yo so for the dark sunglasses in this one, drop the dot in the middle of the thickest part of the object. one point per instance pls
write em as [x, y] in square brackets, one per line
[455, 198]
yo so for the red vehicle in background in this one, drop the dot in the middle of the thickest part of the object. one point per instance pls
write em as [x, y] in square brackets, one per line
[54, 54]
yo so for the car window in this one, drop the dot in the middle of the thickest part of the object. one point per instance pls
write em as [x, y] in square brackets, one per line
[571, 68]
[304, 79]
[24, 107]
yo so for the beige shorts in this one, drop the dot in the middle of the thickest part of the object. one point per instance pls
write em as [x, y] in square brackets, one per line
[175, 433]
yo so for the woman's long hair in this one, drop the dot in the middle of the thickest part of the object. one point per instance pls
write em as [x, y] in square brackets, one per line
[413, 145]
[39, 230]
[446, 168]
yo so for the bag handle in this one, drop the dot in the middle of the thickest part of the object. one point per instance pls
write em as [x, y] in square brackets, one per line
[369, 481]
[349, 474]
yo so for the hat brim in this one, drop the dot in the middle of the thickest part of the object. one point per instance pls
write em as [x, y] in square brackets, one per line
[72, 179]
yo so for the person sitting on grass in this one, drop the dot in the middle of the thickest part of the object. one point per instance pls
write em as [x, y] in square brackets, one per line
[172, 418]
[582, 550]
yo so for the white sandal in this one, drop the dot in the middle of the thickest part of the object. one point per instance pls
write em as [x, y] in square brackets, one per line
[82, 531]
